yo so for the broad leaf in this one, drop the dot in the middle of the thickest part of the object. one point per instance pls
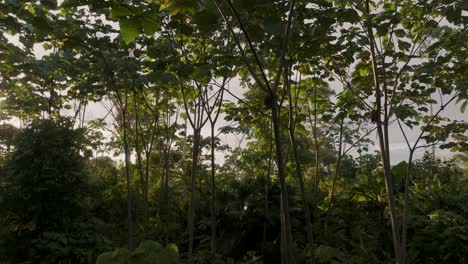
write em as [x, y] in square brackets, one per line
[129, 29]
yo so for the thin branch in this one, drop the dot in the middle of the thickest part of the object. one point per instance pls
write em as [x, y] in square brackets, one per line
[284, 47]
[264, 86]
[433, 118]
[359, 140]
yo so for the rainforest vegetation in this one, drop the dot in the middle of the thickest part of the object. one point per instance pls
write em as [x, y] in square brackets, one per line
[233, 131]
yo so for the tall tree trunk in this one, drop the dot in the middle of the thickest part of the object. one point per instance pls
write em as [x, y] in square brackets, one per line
[213, 192]
[405, 207]
[412, 149]
[317, 146]
[338, 164]
[292, 128]
[164, 193]
[384, 147]
[127, 176]
[164, 188]
[267, 188]
[287, 255]
[166, 178]
[143, 183]
[391, 197]
[193, 170]
[310, 236]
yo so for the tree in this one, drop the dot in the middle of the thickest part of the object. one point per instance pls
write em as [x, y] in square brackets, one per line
[297, 89]
[271, 99]
[43, 187]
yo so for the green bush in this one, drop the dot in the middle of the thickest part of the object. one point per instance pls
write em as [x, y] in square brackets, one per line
[148, 252]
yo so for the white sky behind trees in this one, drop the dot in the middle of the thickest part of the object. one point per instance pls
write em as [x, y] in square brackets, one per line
[398, 151]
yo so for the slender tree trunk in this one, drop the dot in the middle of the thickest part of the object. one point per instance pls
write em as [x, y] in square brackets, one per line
[147, 157]
[267, 188]
[193, 170]
[162, 188]
[384, 148]
[164, 193]
[127, 176]
[213, 193]
[338, 164]
[166, 178]
[317, 146]
[390, 199]
[299, 174]
[317, 168]
[408, 177]
[287, 255]
[405, 208]
[143, 183]
[144, 188]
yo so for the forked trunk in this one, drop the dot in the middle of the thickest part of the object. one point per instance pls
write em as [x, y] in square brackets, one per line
[287, 255]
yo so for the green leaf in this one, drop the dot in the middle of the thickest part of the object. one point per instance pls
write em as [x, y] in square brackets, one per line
[463, 107]
[362, 179]
[183, 70]
[149, 25]
[47, 46]
[129, 30]
[205, 20]
[118, 11]
[31, 9]
[382, 29]
[400, 33]
[202, 73]
[403, 45]
[350, 15]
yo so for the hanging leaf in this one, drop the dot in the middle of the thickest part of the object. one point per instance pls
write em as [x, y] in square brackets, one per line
[205, 20]
[403, 45]
[118, 11]
[202, 73]
[349, 15]
[129, 30]
[400, 33]
[463, 107]
[149, 25]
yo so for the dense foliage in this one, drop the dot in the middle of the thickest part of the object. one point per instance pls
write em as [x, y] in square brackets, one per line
[233, 131]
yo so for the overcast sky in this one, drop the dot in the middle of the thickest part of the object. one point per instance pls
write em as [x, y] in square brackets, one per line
[398, 150]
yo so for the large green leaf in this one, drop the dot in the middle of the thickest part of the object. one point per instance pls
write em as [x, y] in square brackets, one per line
[205, 20]
[202, 73]
[119, 11]
[149, 24]
[463, 107]
[129, 29]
